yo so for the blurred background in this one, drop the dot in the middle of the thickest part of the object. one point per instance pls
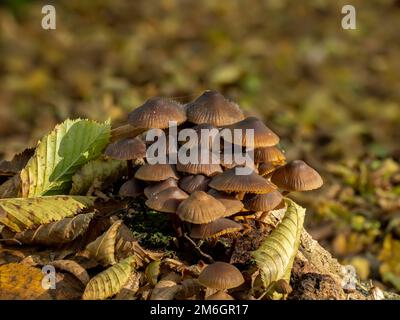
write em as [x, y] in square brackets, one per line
[333, 95]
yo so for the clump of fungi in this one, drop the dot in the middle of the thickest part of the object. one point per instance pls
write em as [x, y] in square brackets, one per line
[205, 199]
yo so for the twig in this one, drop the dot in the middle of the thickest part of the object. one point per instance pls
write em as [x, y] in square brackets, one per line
[205, 255]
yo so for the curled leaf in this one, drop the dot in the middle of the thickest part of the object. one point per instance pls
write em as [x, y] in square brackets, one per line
[18, 162]
[152, 272]
[20, 214]
[276, 253]
[74, 268]
[109, 282]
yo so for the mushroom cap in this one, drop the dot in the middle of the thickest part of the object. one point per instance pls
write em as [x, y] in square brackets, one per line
[156, 113]
[263, 136]
[266, 168]
[200, 208]
[209, 168]
[126, 149]
[230, 182]
[263, 202]
[214, 229]
[296, 176]
[191, 184]
[131, 188]
[213, 108]
[221, 275]
[167, 200]
[220, 295]
[158, 187]
[283, 287]
[156, 172]
[232, 205]
[269, 154]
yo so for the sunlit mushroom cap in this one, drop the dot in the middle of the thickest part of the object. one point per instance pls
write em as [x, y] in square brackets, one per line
[232, 204]
[131, 188]
[220, 295]
[191, 184]
[219, 227]
[167, 200]
[126, 149]
[208, 166]
[156, 113]
[156, 172]
[229, 181]
[266, 168]
[263, 136]
[200, 208]
[158, 187]
[270, 155]
[221, 276]
[213, 108]
[262, 202]
[296, 176]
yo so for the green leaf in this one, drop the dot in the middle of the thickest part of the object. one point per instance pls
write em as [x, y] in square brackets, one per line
[276, 253]
[109, 282]
[20, 214]
[96, 171]
[60, 154]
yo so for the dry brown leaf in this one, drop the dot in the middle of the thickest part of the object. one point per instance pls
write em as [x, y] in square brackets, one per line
[165, 290]
[10, 188]
[74, 268]
[130, 289]
[18, 162]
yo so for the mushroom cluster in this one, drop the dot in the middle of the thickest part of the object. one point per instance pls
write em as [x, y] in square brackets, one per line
[204, 197]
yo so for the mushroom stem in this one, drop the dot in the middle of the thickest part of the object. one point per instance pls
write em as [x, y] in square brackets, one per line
[125, 131]
[203, 254]
[129, 165]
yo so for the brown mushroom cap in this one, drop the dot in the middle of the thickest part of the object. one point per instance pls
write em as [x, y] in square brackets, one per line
[269, 154]
[156, 172]
[262, 202]
[213, 108]
[230, 182]
[200, 208]
[263, 136]
[210, 168]
[126, 149]
[232, 204]
[296, 176]
[156, 113]
[214, 229]
[191, 184]
[220, 295]
[221, 276]
[167, 200]
[266, 168]
[158, 187]
[131, 188]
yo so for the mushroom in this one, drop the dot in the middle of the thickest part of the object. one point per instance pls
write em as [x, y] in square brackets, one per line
[167, 200]
[200, 208]
[214, 229]
[230, 182]
[265, 169]
[128, 149]
[213, 108]
[158, 187]
[232, 205]
[220, 295]
[283, 287]
[263, 136]
[131, 188]
[210, 167]
[296, 176]
[269, 155]
[212, 135]
[221, 276]
[262, 202]
[156, 113]
[191, 184]
[156, 172]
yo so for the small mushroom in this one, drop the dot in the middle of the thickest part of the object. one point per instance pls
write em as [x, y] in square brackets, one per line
[131, 188]
[158, 187]
[191, 184]
[167, 200]
[156, 172]
[219, 227]
[296, 176]
[263, 136]
[200, 208]
[220, 295]
[262, 202]
[265, 169]
[213, 108]
[156, 113]
[270, 155]
[232, 204]
[221, 276]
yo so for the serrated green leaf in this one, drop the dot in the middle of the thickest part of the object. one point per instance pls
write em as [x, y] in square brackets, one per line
[99, 170]
[20, 214]
[109, 282]
[276, 253]
[60, 154]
